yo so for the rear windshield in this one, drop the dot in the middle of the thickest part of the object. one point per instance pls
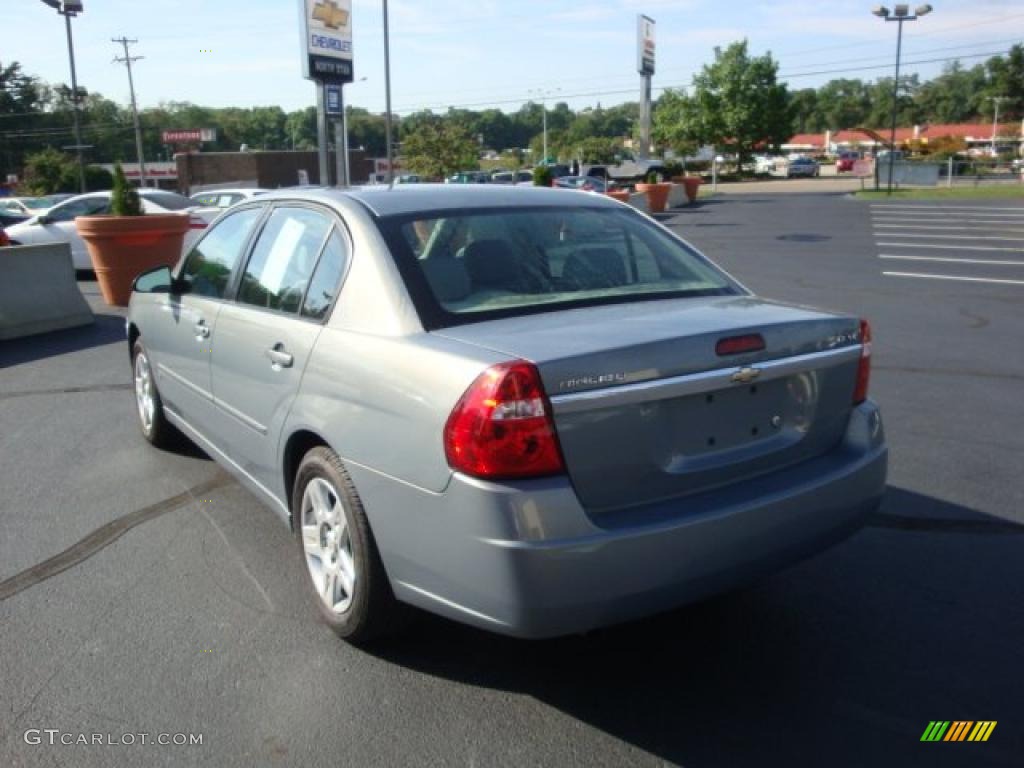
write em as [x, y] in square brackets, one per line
[468, 266]
[172, 201]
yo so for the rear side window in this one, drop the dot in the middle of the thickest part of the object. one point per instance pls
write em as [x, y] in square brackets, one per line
[325, 283]
[170, 201]
[283, 259]
[89, 206]
[208, 267]
[477, 265]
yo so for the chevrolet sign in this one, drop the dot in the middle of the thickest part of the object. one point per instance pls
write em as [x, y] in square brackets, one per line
[326, 40]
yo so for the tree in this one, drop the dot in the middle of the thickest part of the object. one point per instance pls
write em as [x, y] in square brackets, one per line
[841, 104]
[671, 123]
[955, 96]
[737, 103]
[438, 148]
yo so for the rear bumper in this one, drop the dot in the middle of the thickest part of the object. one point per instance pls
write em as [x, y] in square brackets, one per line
[525, 559]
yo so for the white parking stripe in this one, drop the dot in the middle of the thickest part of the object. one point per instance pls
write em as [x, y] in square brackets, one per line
[927, 215]
[892, 207]
[951, 237]
[941, 228]
[948, 259]
[953, 247]
[945, 220]
[954, 277]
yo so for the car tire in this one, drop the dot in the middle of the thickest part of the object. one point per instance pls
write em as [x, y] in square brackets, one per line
[345, 570]
[149, 407]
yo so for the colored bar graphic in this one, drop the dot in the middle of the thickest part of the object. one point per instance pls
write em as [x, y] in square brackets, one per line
[958, 730]
[935, 730]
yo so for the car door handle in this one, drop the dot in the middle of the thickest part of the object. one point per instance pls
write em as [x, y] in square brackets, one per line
[202, 330]
[279, 358]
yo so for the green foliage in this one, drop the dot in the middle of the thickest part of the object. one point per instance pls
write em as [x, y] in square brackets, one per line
[48, 171]
[598, 150]
[736, 103]
[670, 123]
[541, 176]
[439, 148]
[124, 200]
[652, 178]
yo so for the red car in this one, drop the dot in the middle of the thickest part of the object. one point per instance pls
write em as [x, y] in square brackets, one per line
[845, 161]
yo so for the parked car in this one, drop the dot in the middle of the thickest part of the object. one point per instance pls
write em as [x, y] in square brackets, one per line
[30, 206]
[802, 166]
[582, 183]
[533, 411]
[469, 177]
[224, 198]
[845, 160]
[10, 218]
[58, 224]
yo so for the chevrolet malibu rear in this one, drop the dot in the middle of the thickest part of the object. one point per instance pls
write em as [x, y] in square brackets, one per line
[541, 413]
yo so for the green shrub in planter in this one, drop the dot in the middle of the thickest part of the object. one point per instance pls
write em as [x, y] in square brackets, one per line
[542, 176]
[124, 200]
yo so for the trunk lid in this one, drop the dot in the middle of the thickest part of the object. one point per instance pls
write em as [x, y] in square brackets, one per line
[646, 409]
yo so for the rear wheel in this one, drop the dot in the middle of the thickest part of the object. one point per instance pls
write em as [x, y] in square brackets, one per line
[345, 570]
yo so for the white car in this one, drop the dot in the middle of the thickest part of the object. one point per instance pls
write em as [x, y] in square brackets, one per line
[30, 206]
[225, 198]
[58, 224]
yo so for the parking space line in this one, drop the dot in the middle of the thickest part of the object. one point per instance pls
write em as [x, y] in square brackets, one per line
[930, 216]
[946, 220]
[949, 259]
[955, 277]
[942, 228]
[891, 207]
[953, 247]
[953, 237]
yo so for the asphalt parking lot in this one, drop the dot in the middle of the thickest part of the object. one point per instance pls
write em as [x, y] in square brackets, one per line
[145, 592]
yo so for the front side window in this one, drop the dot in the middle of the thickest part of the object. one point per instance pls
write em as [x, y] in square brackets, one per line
[485, 264]
[208, 267]
[283, 259]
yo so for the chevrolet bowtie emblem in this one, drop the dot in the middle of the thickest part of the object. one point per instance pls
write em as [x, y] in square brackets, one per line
[330, 14]
[745, 375]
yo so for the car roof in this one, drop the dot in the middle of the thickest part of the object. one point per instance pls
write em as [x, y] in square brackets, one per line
[384, 200]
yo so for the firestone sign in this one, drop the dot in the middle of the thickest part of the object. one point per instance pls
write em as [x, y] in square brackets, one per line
[189, 136]
[326, 40]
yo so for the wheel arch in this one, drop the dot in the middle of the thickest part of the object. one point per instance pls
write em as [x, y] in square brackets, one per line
[298, 444]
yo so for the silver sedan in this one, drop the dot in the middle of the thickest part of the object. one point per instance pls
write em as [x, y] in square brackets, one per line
[530, 410]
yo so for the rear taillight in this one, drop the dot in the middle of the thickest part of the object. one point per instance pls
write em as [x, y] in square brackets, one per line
[502, 426]
[860, 392]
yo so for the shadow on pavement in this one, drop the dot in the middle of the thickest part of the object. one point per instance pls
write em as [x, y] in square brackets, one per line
[108, 329]
[842, 660]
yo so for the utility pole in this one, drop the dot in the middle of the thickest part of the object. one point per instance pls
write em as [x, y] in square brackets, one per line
[997, 100]
[127, 61]
[387, 97]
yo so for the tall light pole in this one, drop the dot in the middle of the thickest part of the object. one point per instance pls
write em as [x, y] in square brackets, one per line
[544, 94]
[127, 61]
[900, 13]
[997, 100]
[387, 96]
[67, 9]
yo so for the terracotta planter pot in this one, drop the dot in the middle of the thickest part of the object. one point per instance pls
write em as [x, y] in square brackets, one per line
[622, 195]
[657, 195]
[122, 247]
[692, 184]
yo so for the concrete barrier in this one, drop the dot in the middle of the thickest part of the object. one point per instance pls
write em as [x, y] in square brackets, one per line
[38, 292]
[677, 196]
[639, 201]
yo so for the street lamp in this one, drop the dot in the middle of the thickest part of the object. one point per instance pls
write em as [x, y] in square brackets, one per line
[67, 9]
[544, 94]
[997, 100]
[899, 14]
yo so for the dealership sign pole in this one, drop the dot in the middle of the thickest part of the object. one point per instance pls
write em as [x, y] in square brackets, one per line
[645, 66]
[326, 27]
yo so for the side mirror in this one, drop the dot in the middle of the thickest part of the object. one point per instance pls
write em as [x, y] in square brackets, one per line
[43, 219]
[157, 280]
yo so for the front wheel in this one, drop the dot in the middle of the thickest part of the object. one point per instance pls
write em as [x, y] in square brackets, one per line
[345, 570]
[155, 427]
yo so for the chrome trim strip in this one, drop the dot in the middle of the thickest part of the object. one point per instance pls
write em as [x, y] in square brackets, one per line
[696, 383]
[250, 423]
[184, 382]
[178, 421]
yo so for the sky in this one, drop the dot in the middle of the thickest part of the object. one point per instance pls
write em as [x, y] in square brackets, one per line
[482, 53]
